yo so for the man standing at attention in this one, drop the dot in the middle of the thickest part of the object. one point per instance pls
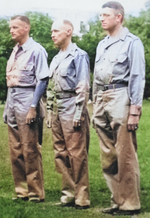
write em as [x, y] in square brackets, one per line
[119, 79]
[69, 82]
[27, 78]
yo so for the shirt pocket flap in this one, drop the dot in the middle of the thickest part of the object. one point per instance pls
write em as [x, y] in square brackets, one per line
[28, 67]
[63, 72]
[9, 67]
[112, 58]
[97, 58]
[121, 58]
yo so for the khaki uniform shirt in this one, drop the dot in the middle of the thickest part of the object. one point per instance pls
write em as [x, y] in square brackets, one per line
[69, 72]
[121, 60]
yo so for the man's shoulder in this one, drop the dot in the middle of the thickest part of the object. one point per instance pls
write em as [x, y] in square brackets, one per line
[37, 46]
[132, 36]
[80, 51]
[34, 46]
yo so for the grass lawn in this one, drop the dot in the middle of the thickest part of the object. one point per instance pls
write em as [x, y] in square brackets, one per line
[99, 193]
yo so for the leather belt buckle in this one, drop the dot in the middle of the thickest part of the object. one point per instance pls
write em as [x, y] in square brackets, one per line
[105, 88]
[13, 90]
[58, 96]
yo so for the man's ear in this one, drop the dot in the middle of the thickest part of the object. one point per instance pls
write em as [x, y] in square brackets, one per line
[27, 28]
[69, 32]
[119, 17]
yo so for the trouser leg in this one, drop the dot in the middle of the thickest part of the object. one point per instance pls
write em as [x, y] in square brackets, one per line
[121, 170]
[26, 158]
[62, 161]
[71, 158]
[118, 150]
[17, 161]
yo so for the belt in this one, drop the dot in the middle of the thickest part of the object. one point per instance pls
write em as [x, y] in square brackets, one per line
[61, 95]
[18, 89]
[112, 86]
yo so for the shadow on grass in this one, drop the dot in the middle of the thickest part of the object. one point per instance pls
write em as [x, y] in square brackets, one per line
[52, 195]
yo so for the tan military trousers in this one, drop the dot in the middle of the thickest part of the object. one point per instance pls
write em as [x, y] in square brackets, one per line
[23, 143]
[26, 161]
[71, 158]
[118, 148]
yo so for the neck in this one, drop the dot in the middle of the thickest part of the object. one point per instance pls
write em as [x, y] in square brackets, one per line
[23, 40]
[115, 31]
[65, 45]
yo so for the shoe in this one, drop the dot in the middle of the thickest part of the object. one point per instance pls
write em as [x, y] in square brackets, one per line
[79, 207]
[20, 198]
[67, 201]
[69, 204]
[36, 200]
[126, 212]
[110, 210]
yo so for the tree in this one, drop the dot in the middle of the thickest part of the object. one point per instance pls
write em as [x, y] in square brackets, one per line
[41, 32]
[90, 40]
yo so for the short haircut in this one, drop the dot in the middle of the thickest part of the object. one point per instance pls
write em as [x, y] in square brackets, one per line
[115, 5]
[22, 18]
[69, 23]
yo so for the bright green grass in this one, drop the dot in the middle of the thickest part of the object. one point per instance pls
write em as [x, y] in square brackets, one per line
[99, 193]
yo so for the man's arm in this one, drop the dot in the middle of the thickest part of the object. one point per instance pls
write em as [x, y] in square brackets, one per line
[136, 83]
[50, 102]
[82, 88]
[39, 90]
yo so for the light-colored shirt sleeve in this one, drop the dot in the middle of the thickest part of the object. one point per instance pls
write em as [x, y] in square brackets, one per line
[137, 76]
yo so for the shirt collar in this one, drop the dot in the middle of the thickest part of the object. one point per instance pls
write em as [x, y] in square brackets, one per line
[71, 49]
[122, 34]
[24, 46]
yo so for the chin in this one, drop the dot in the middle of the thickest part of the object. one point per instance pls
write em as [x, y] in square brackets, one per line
[13, 37]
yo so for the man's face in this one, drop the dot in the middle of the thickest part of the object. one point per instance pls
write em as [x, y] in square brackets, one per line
[109, 18]
[18, 29]
[59, 33]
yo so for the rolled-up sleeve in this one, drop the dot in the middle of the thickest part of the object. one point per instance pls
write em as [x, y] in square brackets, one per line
[41, 69]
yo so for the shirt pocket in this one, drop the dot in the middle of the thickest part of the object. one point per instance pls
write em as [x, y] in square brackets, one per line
[63, 72]
[26, 74]
[8, 68]
[121, 58]
[67, 80]
[98, 57]
[121, 65]
[112, 59]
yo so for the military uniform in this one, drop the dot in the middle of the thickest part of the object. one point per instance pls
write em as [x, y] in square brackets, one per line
[67, 95]
[117, 92]
[26, 66]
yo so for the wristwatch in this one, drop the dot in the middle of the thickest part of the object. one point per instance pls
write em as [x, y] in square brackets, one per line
[33, 105]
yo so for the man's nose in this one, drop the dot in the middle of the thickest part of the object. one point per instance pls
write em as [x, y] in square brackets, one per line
[101, 17]
[52, 35]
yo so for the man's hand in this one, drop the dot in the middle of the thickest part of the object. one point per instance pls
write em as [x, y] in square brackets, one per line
[31, 116]
[76, 123]
[133, 122]
[49, 118]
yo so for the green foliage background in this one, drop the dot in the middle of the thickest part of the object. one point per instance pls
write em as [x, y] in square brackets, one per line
[41, 32]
